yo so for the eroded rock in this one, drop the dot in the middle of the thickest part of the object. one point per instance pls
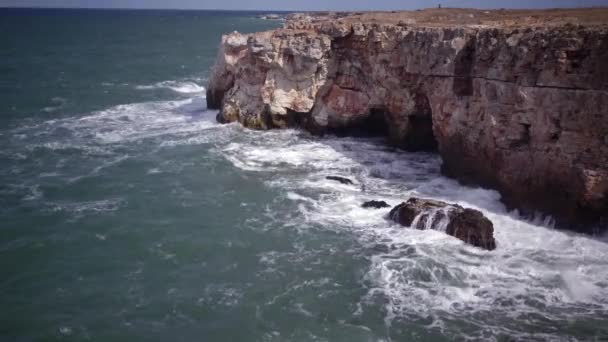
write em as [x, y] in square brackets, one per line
[468, 225]
[342, 180]
[517, 105]
[375, 204]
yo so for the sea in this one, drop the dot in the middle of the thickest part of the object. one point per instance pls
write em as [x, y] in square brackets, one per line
[127, 213]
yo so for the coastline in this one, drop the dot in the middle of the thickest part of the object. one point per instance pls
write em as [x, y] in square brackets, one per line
[513, 100]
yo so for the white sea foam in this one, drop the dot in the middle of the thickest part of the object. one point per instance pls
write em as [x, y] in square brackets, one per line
[65, 330]
[184, 87]
[104, 139]
[154, 171]
[57, 103]
[34, 193]
[131, 122]
[88, 206]
[535, 273]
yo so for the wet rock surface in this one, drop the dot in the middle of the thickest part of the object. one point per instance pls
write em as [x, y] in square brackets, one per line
[468, 225]
[375, 205]
[341, 180]
[512, 100]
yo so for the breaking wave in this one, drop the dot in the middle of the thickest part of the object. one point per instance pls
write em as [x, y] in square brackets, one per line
[57, 104]
[537, 274]
[183, 87]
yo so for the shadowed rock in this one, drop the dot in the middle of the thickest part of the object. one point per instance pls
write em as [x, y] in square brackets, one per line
[489, 90]
[468, 225]
[340, 179]
[375, 204]
[472, 227]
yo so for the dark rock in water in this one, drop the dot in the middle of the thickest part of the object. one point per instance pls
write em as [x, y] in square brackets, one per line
[406, 212]
[472, 227]
[340, 179]
[375, 204]
[468, 225]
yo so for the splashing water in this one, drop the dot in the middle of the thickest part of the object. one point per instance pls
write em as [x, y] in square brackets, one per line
[538, 284]
[184, 87]
[128, 213]
[436, 218]
[537, 277]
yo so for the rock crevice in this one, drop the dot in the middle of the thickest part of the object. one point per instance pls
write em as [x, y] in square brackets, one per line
[518, 106]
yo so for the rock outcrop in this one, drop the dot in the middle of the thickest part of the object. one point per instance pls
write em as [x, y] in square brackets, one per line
[375, 205]
[513, 100]
[468, 225]
[341, 180]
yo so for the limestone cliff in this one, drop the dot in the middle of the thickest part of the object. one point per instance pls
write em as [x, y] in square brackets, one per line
[514, 100]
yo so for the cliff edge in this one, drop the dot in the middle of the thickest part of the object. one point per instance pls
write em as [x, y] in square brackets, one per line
[513, 100]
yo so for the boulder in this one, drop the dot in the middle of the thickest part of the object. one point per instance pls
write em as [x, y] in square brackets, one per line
[375, 204]
[468, 225]
[342, 180]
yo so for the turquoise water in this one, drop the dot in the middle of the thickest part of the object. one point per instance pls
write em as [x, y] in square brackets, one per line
[128, 214]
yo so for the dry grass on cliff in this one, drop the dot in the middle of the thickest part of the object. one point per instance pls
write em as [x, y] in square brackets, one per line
[499, 18]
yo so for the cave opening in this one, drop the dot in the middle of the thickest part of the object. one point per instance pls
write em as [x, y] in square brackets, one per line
[411, 131]
[375, 124]
[420, 136]
[405, 120]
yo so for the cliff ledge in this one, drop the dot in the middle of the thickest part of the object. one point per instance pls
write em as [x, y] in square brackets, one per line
[513, 100]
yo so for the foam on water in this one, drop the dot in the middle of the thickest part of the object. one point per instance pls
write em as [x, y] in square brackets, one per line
[536, 273]
[90, 206]
[184, 87]
[93, 144]
[121, 124]
[58, 103]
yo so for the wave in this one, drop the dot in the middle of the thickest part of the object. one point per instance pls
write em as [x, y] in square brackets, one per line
[57, 103]
[183, 87]
[536, 273]
[88, 207]
[119, 124]
[101, 141]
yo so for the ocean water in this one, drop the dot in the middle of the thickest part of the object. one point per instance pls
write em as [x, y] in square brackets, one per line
[128, 214]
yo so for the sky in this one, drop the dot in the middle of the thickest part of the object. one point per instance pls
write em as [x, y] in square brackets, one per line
[331, 5]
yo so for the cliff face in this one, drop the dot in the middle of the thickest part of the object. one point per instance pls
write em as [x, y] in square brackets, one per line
[521, 109]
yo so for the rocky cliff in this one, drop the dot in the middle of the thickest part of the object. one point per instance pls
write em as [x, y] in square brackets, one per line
[514, 100]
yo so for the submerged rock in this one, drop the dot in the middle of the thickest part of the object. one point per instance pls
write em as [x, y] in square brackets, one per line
[382, 248]
[468, 225]
[375, 204]
[340, 179]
